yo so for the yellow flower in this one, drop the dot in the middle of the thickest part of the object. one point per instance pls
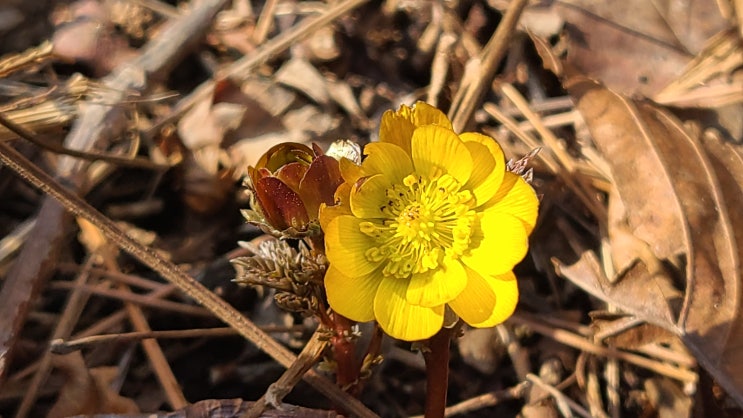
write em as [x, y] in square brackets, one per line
[429, 220]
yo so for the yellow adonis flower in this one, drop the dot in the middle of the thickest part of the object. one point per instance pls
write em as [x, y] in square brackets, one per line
[429, 220]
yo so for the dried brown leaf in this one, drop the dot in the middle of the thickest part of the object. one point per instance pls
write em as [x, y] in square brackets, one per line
[88, 391]
[667, 398]
[711, 79]
[637, 46]
[90, 38]
[206, 124]
[481, 348]
[541, 21]
[727, 160]
[653, 306]
[247, 151]
[692, 22]
[632, 338]
[682, 200]
[550, 61]
[342, 94]
[625, 135]
[272, 97]
[305, 78]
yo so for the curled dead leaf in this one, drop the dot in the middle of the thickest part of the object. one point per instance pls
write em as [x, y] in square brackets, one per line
[682, 199]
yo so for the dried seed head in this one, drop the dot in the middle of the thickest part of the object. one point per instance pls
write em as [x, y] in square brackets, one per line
[308, 305]
[296, 275]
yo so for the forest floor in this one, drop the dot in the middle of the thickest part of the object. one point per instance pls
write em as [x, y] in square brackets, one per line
[151, 111]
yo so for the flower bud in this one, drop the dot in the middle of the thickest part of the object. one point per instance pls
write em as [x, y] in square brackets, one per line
[288, 185]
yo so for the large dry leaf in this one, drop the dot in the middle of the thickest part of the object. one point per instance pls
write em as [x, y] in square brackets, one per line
[727, 160]
[683, 201]
[637, 46]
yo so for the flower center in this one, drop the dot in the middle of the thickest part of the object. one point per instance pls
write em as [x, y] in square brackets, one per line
[425, 221]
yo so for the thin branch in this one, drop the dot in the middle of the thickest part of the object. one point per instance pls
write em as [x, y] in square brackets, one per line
[480, 71]
[136, 162]
[60, 346]
[310, 355]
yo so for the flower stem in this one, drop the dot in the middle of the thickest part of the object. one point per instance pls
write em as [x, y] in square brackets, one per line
[437, 372]
[344, 350]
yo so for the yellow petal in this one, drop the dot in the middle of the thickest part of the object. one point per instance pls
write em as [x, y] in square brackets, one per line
[400, 319]
[488, 165]
[350, 170]
[438, 286]
[352, 296]
[438, 150]
[328, 212]
[396, 129]
[387, 158]
[343, 195]
[425, 114]
[369, 196]
[346, 245]
[497, 245]
[517, 198]
[487, 301]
